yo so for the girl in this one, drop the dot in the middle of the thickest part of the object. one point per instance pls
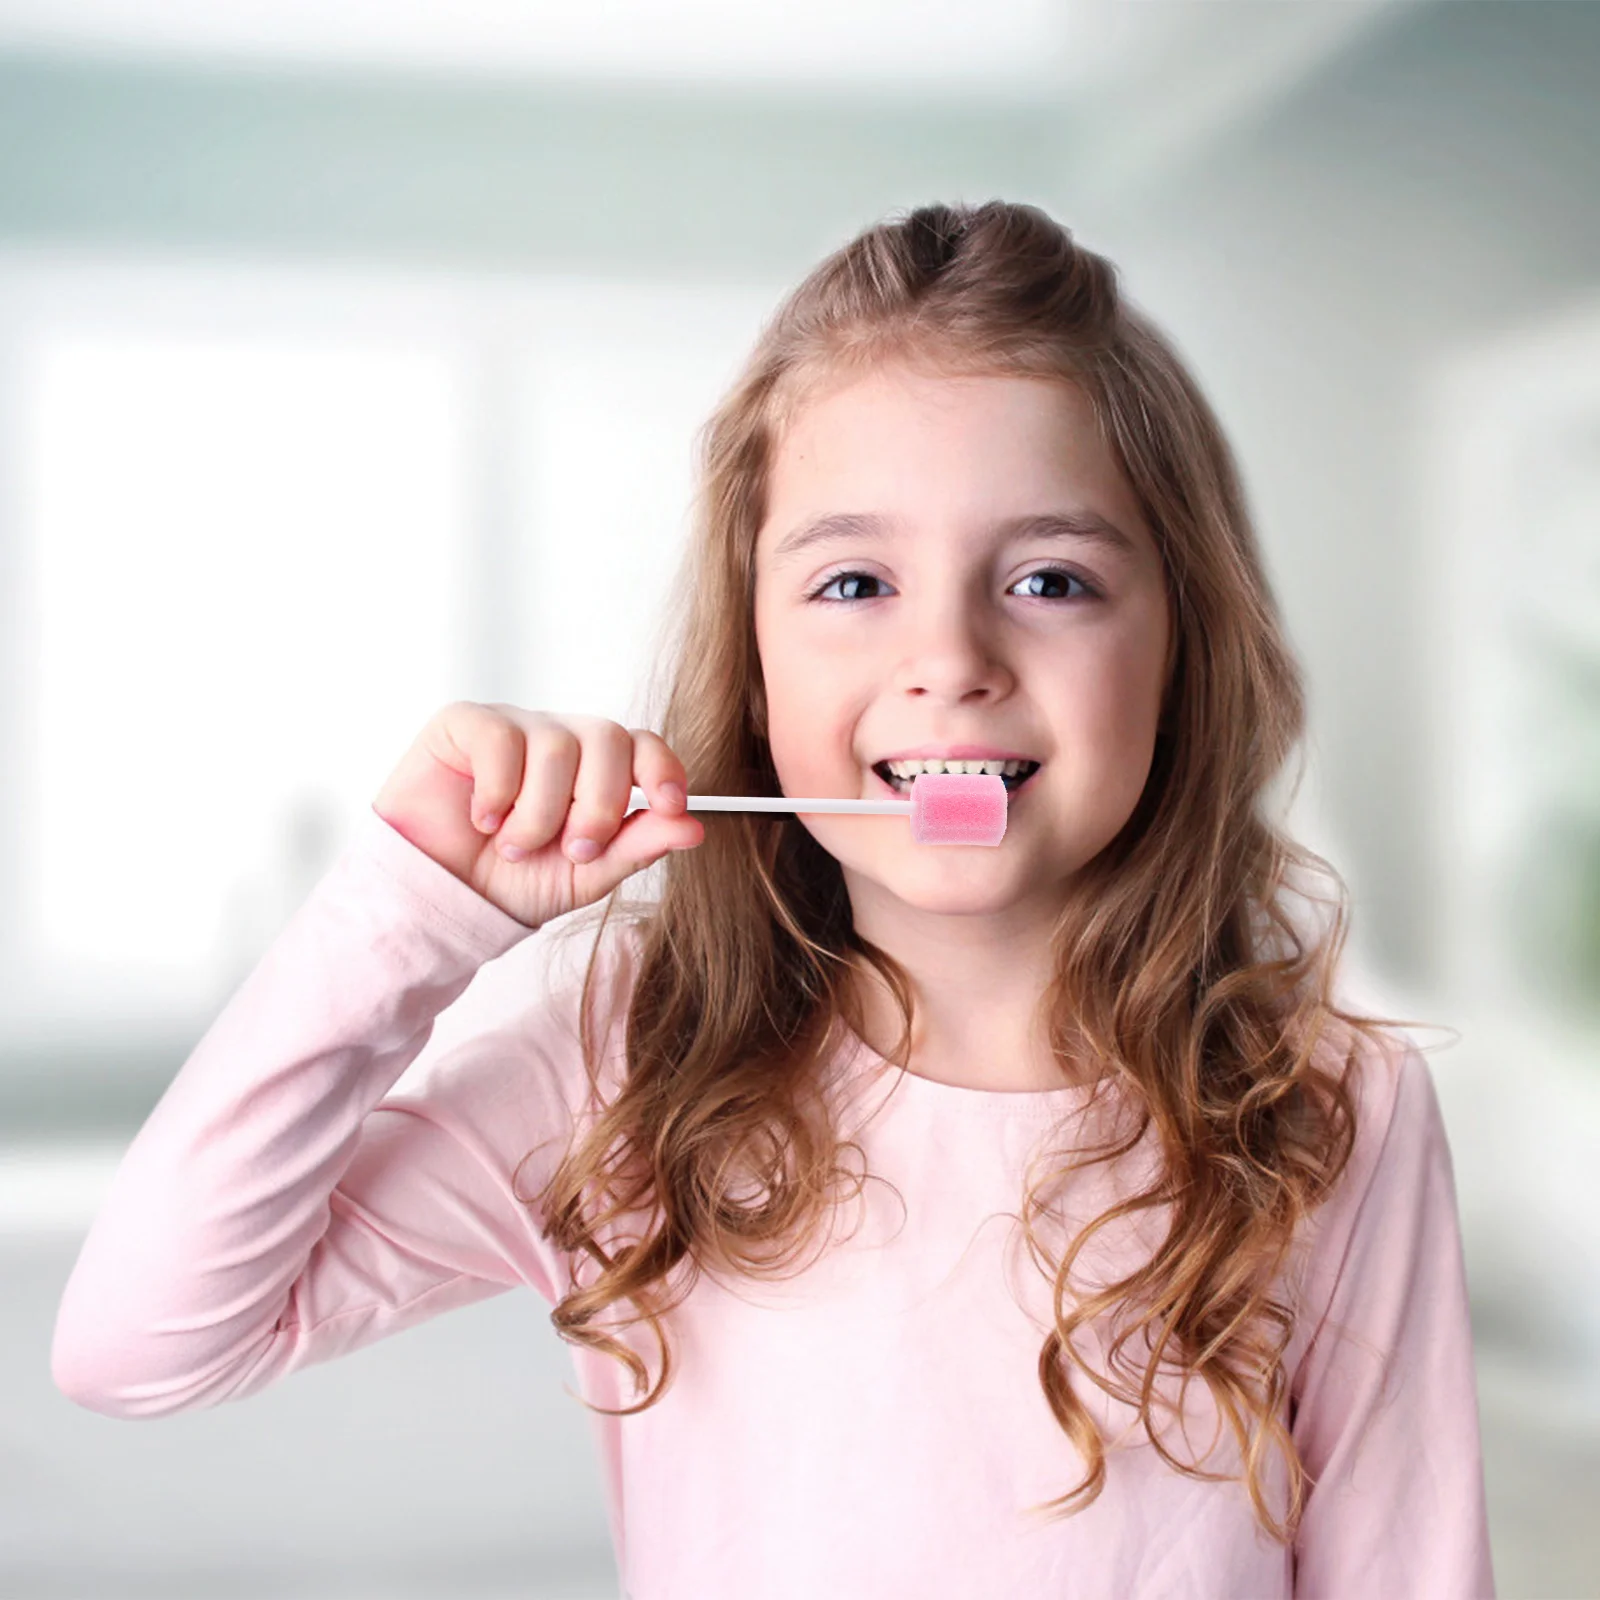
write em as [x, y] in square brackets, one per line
[964, 502]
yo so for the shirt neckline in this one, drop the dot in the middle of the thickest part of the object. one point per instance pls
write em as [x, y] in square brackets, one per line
[861, 1061]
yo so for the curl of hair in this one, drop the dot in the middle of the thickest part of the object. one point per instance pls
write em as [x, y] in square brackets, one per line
[1180, 977]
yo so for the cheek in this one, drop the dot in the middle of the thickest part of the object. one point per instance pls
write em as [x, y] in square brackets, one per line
[1134, 665]
[785, 655]
[1112, 698]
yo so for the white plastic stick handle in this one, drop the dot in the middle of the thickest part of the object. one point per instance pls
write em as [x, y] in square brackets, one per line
[783, 802]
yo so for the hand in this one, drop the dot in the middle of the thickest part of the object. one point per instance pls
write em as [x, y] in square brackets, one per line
[549, 780]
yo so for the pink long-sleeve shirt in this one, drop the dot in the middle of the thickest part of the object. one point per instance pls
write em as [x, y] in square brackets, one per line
[869, 1429]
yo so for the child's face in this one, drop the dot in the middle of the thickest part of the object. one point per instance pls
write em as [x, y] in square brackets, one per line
[943, 639]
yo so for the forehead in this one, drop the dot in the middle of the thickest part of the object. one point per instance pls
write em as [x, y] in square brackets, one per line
[897, 398]
[920, 449]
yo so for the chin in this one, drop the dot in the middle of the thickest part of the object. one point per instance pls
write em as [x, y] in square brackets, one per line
[949, 879]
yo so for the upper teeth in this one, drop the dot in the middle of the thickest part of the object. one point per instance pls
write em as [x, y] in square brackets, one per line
[909, 769]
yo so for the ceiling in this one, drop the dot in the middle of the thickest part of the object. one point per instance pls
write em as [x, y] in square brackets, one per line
[1142, 81]
[1052, 49]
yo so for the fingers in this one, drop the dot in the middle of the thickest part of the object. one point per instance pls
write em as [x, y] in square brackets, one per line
[537, 776]
[492, 750]
[654, 768]
[613, 760]
[605, 776]
[541, 786]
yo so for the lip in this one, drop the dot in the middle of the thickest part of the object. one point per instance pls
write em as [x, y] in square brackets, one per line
[957, 752]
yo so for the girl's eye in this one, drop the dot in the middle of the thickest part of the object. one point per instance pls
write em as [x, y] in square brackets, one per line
[1058, 573]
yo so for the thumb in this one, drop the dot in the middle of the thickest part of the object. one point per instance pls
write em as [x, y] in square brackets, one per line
[642, 840]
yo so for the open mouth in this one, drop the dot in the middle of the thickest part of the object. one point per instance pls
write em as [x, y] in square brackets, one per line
[902, 786]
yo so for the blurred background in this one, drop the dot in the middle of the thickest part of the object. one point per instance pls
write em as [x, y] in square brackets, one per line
[350, 362]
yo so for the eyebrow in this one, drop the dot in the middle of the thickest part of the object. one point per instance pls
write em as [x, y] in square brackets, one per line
[836, 526]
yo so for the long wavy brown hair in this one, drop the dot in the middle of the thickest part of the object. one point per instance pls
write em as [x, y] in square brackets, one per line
[1180, 972]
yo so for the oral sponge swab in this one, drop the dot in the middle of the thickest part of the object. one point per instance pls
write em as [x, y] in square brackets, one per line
[944, 808]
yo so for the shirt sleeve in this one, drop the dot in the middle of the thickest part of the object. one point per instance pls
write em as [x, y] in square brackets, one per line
[270, 1213]
[1384, 1403]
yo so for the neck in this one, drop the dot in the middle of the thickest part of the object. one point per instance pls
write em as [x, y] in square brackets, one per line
[967, 1029]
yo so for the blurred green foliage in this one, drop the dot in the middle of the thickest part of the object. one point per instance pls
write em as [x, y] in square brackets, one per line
[1553, 888]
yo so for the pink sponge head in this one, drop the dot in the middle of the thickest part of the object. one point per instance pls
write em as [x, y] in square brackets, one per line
[958, 808]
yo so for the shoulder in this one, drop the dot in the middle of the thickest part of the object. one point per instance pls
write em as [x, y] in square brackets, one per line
[1397, 1182]
[1396, 1109]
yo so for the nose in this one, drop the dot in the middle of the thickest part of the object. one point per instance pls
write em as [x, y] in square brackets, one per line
[948, 651]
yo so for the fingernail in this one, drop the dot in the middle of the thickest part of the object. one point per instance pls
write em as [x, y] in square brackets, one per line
[582, 849]
[512, 852]
[673, 793]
